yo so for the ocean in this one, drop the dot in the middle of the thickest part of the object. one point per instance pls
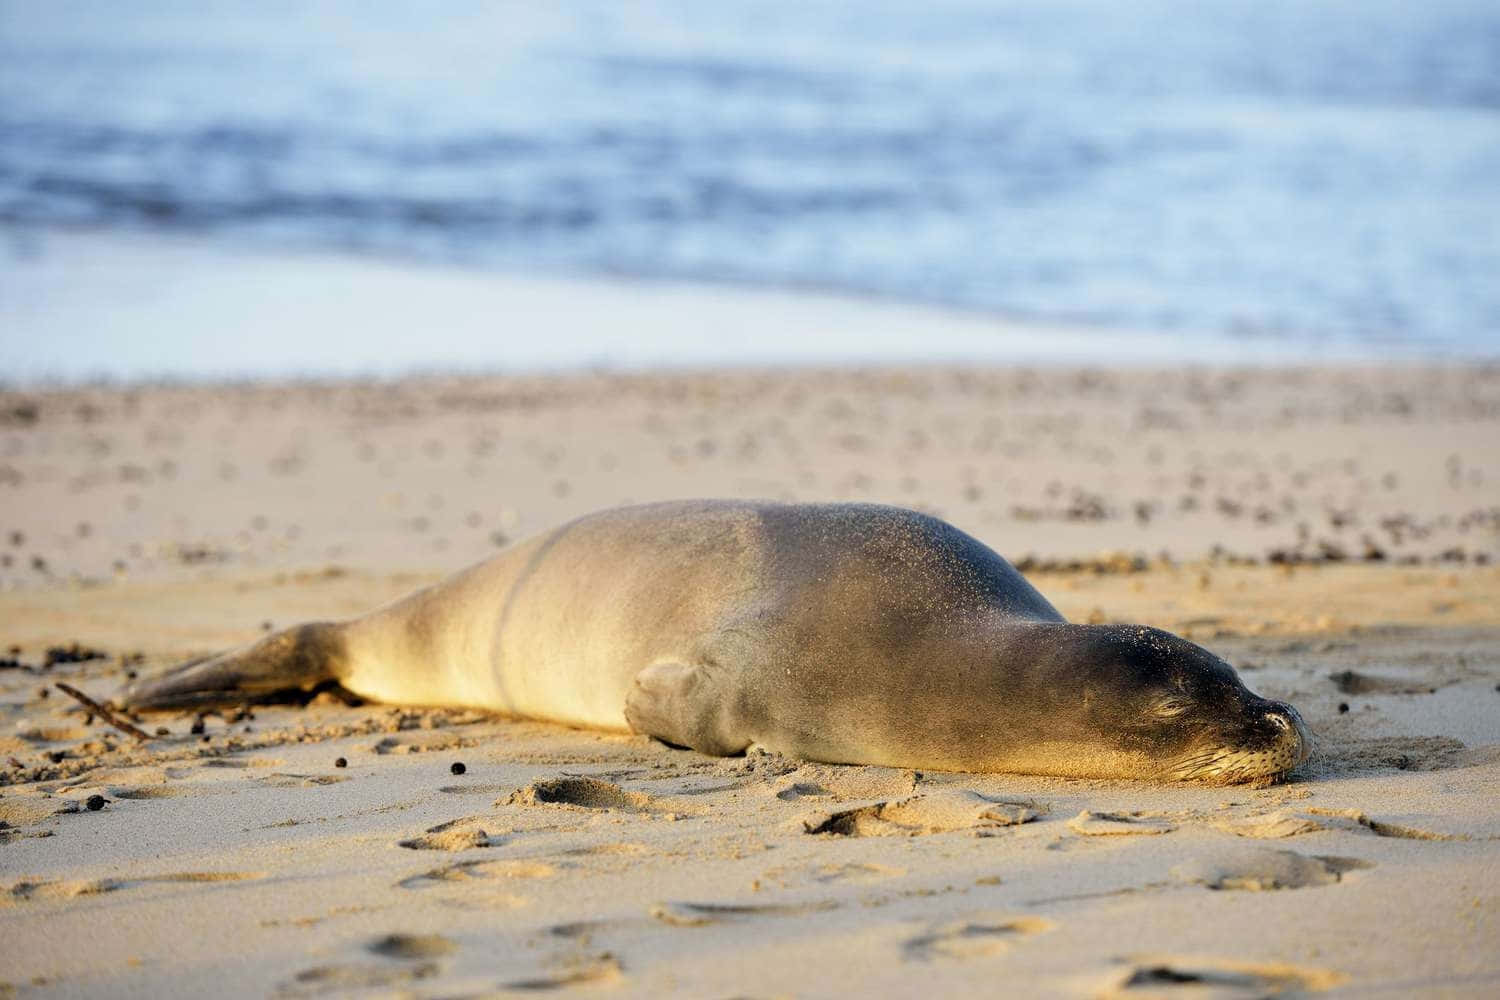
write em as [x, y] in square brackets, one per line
[1311, 172]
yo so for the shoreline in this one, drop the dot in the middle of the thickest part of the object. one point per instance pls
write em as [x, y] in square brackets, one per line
[199, 309]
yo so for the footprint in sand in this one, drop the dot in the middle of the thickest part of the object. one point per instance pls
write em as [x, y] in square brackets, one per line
[622, 848]
[854, 873]
[284, 780]
[468, 871]
[1353, 819]
[822, 780]
[1116, 824]
[1353, 682]
[454, 835]
[239, 763]
[27, 890]
[135, 782]
[791, 791]
[346, 979]
[419, 742]
[412, 946]
[144, 792]
[602, 969]
[1214, 979]
[472, 789]
[1261, 869]
[580, 932]
[1272, 825]
[703, 914]
[934, 812]
[832, 873]
[972, 937]
[594, 793]
[43, 889]
[1290, 823]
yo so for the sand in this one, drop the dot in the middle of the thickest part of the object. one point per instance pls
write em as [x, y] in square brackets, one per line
[1332, 532]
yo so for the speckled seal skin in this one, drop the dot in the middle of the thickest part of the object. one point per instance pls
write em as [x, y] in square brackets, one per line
[845, 633]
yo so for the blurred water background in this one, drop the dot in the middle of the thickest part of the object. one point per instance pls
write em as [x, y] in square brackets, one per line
[1293, 171]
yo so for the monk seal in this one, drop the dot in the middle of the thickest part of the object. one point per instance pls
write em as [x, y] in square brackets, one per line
[844, 633]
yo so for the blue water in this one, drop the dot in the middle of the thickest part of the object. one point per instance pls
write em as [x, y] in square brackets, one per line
[1313, 172]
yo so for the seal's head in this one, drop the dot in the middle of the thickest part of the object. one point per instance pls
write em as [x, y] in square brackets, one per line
[1185, 708]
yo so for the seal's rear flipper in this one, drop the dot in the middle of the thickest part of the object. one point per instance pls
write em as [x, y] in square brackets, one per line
[686, 707]
[300, 657]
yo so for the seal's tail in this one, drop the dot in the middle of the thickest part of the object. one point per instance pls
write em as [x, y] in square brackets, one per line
[300, 657]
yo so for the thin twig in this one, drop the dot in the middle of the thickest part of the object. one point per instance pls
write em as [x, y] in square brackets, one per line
[103, 711]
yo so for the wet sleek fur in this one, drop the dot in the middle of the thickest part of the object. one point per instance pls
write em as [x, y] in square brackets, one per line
[848, 633]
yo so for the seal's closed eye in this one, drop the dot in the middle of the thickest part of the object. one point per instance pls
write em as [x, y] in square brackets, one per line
[1170, 707]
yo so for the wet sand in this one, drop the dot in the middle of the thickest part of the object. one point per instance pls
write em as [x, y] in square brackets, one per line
[1332, 532]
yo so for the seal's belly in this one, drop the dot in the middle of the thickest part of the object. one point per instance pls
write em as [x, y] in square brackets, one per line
[579, 687]
[597, 604]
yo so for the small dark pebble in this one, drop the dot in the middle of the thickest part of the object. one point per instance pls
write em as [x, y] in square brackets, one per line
[207, 738]
[1343, 707]
[341, 762]
[197, 729]
[94, 803]
[458, 767]
[266, 626]
[56, 756]
[163, 731]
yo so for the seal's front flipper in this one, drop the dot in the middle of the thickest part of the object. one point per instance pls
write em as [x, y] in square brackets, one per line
[686, 707]
[301, 657]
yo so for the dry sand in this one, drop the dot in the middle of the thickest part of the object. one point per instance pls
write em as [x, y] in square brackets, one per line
[1333, 533]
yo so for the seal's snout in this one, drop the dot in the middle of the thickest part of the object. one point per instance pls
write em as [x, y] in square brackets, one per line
[1295, 740]
[1270, 740]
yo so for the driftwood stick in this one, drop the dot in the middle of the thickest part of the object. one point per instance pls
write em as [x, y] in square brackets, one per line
[103, 711]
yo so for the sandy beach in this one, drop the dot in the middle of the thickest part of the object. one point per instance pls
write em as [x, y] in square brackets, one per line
[1333, 532]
